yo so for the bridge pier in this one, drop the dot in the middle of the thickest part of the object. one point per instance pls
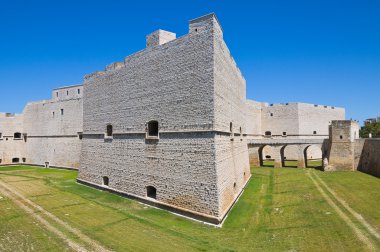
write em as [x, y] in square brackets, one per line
[278, 146]
[254, 158]
[278, 157]
[302, 157]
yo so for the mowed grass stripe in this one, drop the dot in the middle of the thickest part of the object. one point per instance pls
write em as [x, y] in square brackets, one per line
[362, 236]
[280, 210]
[300, 218]
[152, 227]
[31, 207]
[20, 232]
[5, 191]
[370, 229]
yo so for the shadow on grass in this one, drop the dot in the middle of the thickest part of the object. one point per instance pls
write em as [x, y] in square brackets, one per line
[315, 164]
[268, 163]
[290, 164]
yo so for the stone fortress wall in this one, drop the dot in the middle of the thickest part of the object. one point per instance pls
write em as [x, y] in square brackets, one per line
[231, 150]
[50, 131]
[207, 131]
[348, 152]
[367, 156]
[12, 146]
[298, 120]
[290, 121]
[192, 88]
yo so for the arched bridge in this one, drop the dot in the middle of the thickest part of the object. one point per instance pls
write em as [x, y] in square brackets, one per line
[300, 149]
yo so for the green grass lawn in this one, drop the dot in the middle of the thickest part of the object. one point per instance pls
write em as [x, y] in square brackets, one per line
[280, 210]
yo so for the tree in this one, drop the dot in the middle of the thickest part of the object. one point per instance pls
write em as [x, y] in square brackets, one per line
[373, 128]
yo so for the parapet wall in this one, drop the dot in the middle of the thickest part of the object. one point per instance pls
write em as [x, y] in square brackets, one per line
[48, 132]
[367, 156]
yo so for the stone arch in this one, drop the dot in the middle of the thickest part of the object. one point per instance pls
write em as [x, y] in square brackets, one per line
[265, 155]
[290, 155]
[313, 155]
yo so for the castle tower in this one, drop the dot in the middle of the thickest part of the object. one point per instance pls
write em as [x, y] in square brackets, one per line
[341, 154]
[167, 125]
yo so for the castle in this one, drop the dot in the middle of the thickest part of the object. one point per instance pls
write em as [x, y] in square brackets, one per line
[169, 125]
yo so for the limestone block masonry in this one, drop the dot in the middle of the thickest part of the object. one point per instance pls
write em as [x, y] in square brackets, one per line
[191, 87]
[170, 125]
[298, 120]
[341, 153]
[348, 152]
[47, 133]
[367, 156]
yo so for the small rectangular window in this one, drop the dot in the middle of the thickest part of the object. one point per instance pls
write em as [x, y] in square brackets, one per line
[78, 91]
[152, 129]
[314, 132]
[67, 92]
[109, 130]
[53, 114]
[284, 134]
[61, 111]
[56, 94]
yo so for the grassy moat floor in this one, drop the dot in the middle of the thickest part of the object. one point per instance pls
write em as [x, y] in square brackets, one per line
[282, 209]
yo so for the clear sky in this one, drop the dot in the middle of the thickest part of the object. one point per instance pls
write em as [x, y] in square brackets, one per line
[325, 52]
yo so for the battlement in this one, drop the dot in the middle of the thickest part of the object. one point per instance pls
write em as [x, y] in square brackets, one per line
[4, 115]
[160, 37]
[202, 21]
[301, 104]
[344, 131]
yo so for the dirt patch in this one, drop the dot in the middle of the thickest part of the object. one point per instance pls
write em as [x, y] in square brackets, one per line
[40, 219]
[20, 200]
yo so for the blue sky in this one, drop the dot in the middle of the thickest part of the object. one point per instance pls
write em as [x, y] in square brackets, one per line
[325, 52]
